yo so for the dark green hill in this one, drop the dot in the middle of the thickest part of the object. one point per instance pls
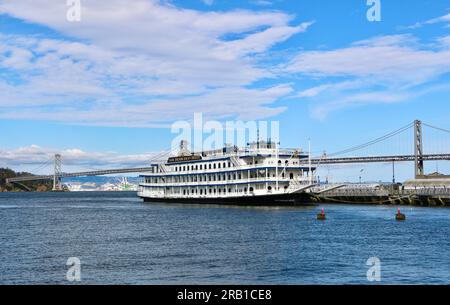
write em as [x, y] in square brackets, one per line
[37, 186]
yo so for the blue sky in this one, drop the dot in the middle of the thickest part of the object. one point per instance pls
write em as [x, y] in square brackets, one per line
[108, 87]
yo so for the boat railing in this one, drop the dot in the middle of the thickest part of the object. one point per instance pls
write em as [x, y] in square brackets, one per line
[252, 152]
[220, 182]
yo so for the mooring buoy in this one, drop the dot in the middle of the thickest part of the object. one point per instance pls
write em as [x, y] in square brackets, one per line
[399, 215]
[321, 215]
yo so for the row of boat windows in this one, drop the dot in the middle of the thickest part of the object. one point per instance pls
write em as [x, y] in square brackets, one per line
[210, 177]
[195, 191]
[215, 191]
[216, 165]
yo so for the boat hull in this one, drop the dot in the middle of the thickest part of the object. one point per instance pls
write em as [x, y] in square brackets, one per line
[296, 199]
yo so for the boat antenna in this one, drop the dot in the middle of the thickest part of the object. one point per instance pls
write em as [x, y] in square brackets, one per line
[257, 138]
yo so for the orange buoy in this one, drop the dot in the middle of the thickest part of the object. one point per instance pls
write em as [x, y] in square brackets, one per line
[399, 215]
[321, 215]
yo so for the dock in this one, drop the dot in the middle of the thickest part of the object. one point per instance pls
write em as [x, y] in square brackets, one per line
[378, 194]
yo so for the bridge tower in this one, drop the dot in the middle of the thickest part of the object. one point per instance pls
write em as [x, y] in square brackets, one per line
[57, 173]
[418, 149]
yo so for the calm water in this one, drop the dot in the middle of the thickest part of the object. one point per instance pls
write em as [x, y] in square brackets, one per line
[119, 239]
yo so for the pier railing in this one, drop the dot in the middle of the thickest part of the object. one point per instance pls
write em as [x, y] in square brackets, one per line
[383, 191]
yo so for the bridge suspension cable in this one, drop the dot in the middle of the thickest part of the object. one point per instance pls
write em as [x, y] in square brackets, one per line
[42, 165]
[161, 155]
[375, 141]
[437, 128]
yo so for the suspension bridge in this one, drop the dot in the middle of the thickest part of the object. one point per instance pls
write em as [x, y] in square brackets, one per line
[341, 157]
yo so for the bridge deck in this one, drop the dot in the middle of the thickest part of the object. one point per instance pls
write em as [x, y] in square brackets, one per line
[82, 174]
[380, 159]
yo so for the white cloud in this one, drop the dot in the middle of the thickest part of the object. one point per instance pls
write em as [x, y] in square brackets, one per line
[386, 69]
[356, 99]
[262, 41]
[139, 55]
[441, 19]
[39, 160]
[329, 87]
[264, 2]
[394, 59]
[444, 41]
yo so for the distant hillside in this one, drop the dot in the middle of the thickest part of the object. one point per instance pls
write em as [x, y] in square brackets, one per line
[37, 186]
